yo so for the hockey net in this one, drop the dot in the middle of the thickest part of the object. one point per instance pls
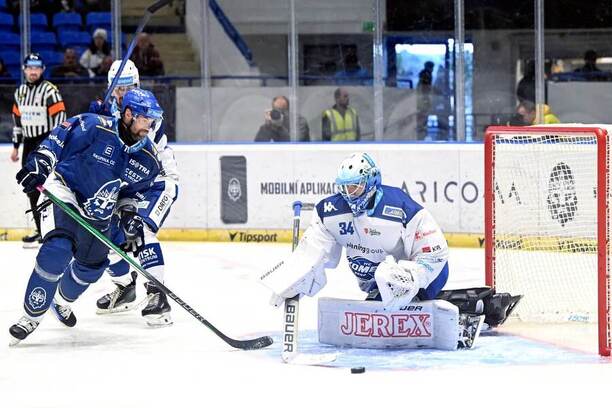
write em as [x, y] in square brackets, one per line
[547, 224]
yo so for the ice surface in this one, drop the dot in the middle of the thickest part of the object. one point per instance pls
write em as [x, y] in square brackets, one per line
[117, 361]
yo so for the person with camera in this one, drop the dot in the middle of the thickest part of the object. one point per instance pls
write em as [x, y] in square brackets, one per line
[276, 126]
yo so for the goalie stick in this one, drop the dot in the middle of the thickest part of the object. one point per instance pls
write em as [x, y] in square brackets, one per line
[252, 344]
[291, 310]
[143, 21]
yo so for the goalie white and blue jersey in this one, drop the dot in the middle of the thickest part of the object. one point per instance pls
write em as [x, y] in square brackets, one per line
[92, 169]
[396, 225]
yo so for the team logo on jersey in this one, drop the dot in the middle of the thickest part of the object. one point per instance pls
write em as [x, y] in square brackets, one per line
[108, 150]
[234, 190]
[37, 298]
[328, 207]
[394, 212]
[562, 200]
[101, 205]
[363, 268]
[371, 231]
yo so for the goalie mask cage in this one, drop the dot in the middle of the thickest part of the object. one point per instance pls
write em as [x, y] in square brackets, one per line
[547, 229]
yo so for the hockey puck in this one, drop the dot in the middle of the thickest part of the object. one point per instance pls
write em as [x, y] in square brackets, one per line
[357, 370]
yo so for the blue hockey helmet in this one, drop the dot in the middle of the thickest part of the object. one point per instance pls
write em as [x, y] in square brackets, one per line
[33, 60]
[142, 103]
[358, 178]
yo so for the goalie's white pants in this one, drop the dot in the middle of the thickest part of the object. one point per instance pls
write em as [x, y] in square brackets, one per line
[365, 324]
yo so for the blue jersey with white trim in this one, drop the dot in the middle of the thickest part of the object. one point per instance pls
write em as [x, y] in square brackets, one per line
[91, 160]
[396, 225]
[154, 206]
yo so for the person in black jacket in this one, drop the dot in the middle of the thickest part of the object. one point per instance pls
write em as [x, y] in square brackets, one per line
[276, 126]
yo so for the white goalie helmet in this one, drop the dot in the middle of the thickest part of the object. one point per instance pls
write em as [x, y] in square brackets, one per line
[129, 75]
[358, 178]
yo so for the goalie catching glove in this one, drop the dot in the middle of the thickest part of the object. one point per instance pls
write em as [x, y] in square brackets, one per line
[35, 172]
[398, 282]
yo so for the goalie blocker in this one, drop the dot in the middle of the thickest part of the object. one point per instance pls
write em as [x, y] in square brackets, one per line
[451, 322]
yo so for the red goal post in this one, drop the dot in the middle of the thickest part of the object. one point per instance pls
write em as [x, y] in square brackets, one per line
[547, 227]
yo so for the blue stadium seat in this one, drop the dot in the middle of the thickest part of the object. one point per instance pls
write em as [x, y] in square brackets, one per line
[98, 19]
[10, 42]
[38, 22]
[74, 39]
[11, 58]
[67, 21]
[6, 22]
[43, 41]
[52, 58]
[2, 4]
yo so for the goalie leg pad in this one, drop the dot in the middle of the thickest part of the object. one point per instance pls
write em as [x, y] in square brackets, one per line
[365, 324]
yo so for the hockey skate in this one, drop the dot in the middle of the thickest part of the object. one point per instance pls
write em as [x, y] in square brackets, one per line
[64, 314]
[32, 241]
[22, 329]
[469, 330]
[122, 299]
[157, 310]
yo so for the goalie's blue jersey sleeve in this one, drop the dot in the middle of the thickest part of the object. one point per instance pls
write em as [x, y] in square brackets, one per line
[91, 161]
[396, 225]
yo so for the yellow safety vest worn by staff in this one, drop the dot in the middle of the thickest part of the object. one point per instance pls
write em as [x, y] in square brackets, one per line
[342, 128]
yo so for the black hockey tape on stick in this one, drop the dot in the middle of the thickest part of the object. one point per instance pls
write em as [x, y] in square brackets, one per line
[252, 344]
[143, 21]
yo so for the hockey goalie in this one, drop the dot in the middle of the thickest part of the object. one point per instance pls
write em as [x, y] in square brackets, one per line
[399, 256]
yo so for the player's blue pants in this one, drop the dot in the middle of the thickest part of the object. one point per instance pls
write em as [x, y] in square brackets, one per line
[70, 257]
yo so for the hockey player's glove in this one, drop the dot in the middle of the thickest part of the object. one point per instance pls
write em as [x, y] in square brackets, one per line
[35, 172]
[96, 107]
[132, 225]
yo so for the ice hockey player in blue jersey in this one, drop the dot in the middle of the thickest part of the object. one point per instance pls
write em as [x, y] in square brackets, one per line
[159, 200]
[91, 163]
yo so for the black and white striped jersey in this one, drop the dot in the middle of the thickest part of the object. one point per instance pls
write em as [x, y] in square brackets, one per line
[37, 109]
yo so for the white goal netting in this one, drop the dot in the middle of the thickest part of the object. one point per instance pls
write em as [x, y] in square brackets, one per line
[543, 221]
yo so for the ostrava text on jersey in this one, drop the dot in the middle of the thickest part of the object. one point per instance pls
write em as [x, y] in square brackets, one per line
[90, 159]
[395, 225]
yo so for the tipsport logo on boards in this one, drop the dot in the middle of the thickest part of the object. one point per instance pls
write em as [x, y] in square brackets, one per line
[241, 236]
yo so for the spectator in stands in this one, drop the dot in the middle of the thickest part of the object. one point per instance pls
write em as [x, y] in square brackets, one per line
[146, 57]
[98, 49]
[70, 68]
[424, 98]
[105, 66]
[590, 62]
[341, 122]
[353, 73]
[527, 111]
[277, 124]
[525, 90]
[5, 76]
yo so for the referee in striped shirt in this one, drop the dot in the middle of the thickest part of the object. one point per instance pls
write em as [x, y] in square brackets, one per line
[38, 108]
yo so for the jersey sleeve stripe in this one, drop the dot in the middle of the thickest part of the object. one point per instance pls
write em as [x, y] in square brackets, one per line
[16, 110]
[56, 107]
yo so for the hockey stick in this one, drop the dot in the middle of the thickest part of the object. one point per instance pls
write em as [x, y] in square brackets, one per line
[292, 307]
[252, 344]
[143, 21]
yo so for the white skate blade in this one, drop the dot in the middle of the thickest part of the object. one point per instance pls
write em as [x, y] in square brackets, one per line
[31, 245]
[13, 341]
[157, 321]
[311, 359]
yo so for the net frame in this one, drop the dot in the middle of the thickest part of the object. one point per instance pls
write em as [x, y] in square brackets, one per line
[600, 134]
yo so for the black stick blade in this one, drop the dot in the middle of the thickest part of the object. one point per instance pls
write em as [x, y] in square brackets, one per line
[253, 344]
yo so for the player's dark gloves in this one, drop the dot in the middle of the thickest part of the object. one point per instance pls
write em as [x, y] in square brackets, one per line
[132, 225]
[35, 172]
